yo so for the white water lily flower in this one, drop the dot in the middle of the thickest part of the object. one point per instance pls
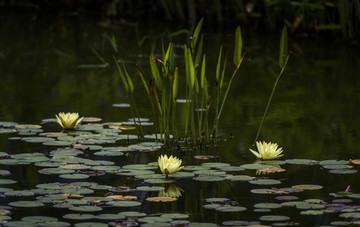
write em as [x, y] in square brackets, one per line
[169, 165]
[267, 150]
[68, 120]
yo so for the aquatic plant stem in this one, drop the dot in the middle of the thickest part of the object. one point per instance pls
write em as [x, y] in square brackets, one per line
[271, 96]
[224, 99]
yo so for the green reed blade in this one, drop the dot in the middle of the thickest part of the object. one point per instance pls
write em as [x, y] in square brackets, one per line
[196, 33]
[123, 79]
[98, 56]
[175, 84]
[190, 70]
[143, 80]
[218, 66]
[238, 46]
[112, 42]
[155, 73]
[199, 51]
[129, 81]
[223, 71]
[283, 47]
[167, 55]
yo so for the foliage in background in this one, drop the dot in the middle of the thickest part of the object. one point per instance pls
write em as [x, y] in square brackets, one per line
[304, 17]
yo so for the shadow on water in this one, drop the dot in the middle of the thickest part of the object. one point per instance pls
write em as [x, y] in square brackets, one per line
[314, 113]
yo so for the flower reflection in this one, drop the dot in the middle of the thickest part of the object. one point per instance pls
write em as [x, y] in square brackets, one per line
[171, 190]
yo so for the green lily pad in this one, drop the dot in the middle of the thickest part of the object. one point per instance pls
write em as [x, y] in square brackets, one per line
[26, 204]
[175, 215]
[38, 139]
[109, 153]
[8, 124]
[75, 176]
[274, 218]
[7, 181]
[78, 216]
[124, 203]
[350, 215]
[235, 223]
[311, 212]
[267, 205]
[308, 187]
[50, 171]
[132, 214]
[158, 181]
[215, 164]
[265, 181]
[209, 172]
[343, 171]
[301, 161]
[150, 188]
[38, 219]
[140, 167]
[212, 206]
[195, 168]
[19, 193]
[337, 167]
[109, 217]
[4, 172]
[105, 168]
[182, 174]
[334, 162]
[86, 208]
[231, 168]
[255, 166]
[231, 209]
[239, 178]
[57, 143]
[209, 178]
[155, 219]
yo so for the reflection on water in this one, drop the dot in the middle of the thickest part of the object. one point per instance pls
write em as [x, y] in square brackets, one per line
[314, 113]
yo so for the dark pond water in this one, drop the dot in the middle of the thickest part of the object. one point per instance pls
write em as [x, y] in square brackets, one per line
[313, 116]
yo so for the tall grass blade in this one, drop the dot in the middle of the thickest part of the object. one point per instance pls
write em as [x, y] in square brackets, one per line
[238, 46]
[196, 33]
[175, 84]
[155, 73]
[143, 80]
[128, 79]
[98, 56]
[283, 47]
[112, 42]
[218, 66]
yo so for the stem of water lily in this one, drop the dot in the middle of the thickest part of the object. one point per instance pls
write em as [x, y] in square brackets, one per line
[272, 93]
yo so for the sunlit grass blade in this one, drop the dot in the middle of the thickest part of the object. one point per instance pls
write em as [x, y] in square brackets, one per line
[155, 73]
[128, 79]
[283, 47]
[196, 33]
[189, 65]
[223, 72]
[218, 66]
[199, 51]
[175, 84]
[238, 46]
[143, 80]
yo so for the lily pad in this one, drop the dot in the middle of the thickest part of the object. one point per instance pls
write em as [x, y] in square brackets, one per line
[308, 187]
[267, 205]
[301, 161]
[78, 216]
[26, 204]
[7, 181]
[209, 178]
[86, 208]
[150, 188]
[239, 178]
[113, 217]
[265, 181]
[231, 209]
[274, 218]
[74, 176]
[215, 164]
[343, 171]
[124, 203]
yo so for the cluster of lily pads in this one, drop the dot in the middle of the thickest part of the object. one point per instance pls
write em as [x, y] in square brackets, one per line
[88, 203]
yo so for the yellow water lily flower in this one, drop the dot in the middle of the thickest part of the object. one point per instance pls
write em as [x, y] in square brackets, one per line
[267, 150]
[68, 120]
[169, 165]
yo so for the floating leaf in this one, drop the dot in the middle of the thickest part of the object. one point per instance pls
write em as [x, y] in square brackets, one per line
[311, 212]
[301, 161]
[113, 217]
[239, 177]
[121, 197]
[175, 215]
[214, 164]
[161, 199]
[124, 203]
[227, 208]
[86, 208]
[121, 105]
[150, 188]
[308, 187]
[132, 214]
[76, 176]
[209, 178]
[343, 171]
[78, 216]
[274, 218]
[26, 204]
[265, 181]
[267, 205]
